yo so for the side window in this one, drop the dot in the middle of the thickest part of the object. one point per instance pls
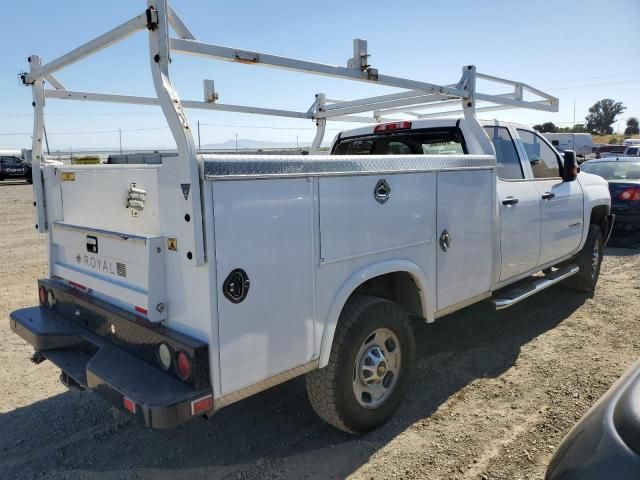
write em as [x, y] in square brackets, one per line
[509, 166]
[544, 161]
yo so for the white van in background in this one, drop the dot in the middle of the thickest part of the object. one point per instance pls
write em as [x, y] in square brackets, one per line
[581, 143]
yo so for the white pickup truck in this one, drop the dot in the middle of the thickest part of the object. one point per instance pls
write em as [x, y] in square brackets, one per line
[177, 289]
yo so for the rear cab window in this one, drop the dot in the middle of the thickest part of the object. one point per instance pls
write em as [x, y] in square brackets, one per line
[424, 141]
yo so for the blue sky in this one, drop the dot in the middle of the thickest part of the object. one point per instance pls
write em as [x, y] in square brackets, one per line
[567, 48]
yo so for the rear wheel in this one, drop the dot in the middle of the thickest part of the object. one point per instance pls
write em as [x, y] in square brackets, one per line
[589, 260]
[369, 366]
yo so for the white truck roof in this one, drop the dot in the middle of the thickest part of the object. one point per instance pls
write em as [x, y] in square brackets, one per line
[425, 123]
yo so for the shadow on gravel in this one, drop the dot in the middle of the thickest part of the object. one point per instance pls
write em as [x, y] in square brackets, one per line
[275, 432]
[622, 250]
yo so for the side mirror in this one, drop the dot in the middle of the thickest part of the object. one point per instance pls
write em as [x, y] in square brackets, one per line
[570, 170]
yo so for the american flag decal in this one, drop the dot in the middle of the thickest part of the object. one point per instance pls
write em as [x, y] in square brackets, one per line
[121, 268]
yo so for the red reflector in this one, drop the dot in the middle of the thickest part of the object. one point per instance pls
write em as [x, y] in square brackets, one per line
[141, 310]
[386, 127]
[202, 405]
[77, 285]
[183, 365]
[129, 404]
[42, 294]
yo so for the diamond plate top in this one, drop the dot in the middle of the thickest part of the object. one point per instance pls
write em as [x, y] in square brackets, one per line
[228, 167]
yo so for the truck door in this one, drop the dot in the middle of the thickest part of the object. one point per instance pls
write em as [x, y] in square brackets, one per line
[465, 201]
[561, 203]
[519, 207]
[265, 275]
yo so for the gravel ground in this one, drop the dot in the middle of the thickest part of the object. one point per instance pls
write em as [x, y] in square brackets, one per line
[493, 393]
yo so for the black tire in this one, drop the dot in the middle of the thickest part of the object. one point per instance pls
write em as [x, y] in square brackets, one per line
[587, 278]
[331, 389]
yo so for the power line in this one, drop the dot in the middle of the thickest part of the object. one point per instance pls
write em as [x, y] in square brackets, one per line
[599, 77]
[594, 85]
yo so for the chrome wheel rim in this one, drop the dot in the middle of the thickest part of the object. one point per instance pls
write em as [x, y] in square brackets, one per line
[595, 258]
[376, 368]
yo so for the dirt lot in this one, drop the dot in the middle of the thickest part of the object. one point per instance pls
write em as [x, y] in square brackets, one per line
[493, 393]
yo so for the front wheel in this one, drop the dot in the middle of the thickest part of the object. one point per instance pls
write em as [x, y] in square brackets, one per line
[589, 260]
[369, 367]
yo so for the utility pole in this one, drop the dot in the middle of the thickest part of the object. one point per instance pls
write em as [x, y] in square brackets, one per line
[236, 142]
[199, 147]
[573, 136]
[46, 139]
[120, 134]
[297, 145]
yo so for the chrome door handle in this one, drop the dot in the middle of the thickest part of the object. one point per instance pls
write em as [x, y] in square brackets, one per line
[445, 240]
[548, 195]
[510, 201]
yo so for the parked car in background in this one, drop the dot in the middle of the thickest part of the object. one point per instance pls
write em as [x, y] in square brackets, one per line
[632, 151]
[631, 141]
[610, 150]
[14, 167]
[580, 143]
[605, 443]
[623, 175]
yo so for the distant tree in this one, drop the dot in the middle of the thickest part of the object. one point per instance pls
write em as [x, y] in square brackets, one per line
[579, 128]
[602, 115]
[613, 141]
[546, 127]
[632, 126]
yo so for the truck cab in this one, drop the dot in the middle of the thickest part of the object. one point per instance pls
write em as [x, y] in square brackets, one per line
[541, 217]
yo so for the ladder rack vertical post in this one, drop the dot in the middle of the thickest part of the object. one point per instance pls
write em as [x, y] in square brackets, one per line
[469, 111]
[321, 124]
[188, 172]
[37, 89]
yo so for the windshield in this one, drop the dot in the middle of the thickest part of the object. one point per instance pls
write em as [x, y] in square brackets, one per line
[613, 170]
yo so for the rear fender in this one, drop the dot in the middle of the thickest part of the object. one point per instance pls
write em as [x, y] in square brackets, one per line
[357, 279]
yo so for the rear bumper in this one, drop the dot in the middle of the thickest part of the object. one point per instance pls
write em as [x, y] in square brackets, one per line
[88, 360]
[628, 217]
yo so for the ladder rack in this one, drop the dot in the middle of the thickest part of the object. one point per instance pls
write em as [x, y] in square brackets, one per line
[418, 99]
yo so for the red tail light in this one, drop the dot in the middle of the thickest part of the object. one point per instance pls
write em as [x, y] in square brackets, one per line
[42, 295]
[387, 127]
[141, 310]
[183, 365]
[630, 194]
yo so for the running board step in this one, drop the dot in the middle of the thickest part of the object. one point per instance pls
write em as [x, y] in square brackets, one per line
[510, 298]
